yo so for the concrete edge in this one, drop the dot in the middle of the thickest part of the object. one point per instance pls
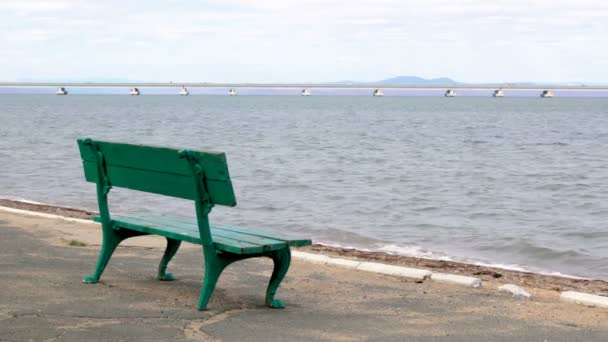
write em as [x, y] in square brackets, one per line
[584, 299]
[399, 271]
[310, 257]
[346, 263]
[456, 279]
[516, 291]
[53, 216]
[363, 265]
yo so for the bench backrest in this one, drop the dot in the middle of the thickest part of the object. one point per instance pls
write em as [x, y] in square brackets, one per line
[157, 170]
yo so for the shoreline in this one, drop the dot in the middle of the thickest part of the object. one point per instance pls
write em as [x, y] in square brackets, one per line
[488, 274]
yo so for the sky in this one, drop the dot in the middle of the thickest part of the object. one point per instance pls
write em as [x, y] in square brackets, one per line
[304, 40]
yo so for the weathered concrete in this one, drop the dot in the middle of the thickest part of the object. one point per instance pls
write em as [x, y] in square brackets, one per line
[515, 290]
[584, 299]
[352, 264]
[399, 271]
[456, 279]
[51, 216]
[310, 257]
[42, 298]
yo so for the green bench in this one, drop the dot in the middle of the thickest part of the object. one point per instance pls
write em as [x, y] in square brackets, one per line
[199, 176]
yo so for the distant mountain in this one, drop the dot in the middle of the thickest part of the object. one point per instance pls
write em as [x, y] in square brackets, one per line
[414, 80]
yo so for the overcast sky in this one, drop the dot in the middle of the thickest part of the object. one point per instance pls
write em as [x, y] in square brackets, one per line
[304, 40]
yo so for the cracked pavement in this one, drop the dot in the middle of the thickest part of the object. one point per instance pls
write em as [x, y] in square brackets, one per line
[42, 299]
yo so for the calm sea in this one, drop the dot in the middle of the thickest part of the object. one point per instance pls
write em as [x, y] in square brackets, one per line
[521, 182]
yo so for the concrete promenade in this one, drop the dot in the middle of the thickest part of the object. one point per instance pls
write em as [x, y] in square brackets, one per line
[42, 299]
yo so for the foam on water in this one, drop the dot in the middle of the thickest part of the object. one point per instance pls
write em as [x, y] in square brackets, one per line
[19, 199]
[418, 252]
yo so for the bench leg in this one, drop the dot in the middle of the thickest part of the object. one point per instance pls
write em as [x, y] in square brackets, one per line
[213, 268]
[172, 247]
[111, 239]
[282, 259]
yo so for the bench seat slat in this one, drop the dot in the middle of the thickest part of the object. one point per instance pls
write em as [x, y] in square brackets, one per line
[290, 240]
[267, 244]
[186, 229]
[192, 236]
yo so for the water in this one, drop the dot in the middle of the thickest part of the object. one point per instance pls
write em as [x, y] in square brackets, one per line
[512, 181]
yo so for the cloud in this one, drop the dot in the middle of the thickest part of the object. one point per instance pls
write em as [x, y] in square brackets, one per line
[30, 6]
[318, 40]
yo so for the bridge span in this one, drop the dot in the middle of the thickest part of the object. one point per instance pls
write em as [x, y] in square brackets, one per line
[505, 86]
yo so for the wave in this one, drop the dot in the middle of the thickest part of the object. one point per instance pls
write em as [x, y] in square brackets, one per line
[557, 143]
[520, 268]
[421, 253]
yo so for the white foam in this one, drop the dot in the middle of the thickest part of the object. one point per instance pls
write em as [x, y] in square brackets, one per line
[413, 251]
[506, 267]
[419, 252]
[562, 275]
[39, 214]
[25, 200]
[520, 268]
[19, 199]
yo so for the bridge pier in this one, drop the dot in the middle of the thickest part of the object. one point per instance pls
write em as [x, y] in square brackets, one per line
[547, 93]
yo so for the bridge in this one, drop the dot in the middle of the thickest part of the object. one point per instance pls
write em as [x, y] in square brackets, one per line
[505, 86]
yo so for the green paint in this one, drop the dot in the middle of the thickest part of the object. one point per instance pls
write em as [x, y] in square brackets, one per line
[217, 229]
[156, 170]
[199, 176]
[172, 247]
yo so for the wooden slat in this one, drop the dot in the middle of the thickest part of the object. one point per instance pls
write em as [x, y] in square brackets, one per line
[189, 236]
[143, 180]
[159, 170]
[223, 240]
[267, 244]
[291, 240]
[261, 233]
[221, 243]
[153, 158]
